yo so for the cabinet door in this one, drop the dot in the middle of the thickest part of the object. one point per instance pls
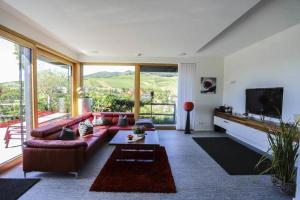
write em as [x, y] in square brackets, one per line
[221, 122]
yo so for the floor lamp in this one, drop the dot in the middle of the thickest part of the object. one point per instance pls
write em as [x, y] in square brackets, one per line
[188, 106]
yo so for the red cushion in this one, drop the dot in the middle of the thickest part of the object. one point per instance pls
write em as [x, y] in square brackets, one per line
[100, 132]
[49, 129]
[113, 117]
[101, 127]
[92, 142]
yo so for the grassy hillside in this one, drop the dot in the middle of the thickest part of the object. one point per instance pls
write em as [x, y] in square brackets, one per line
[163, 81]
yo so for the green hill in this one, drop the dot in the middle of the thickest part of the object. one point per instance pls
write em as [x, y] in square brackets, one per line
[149, 80]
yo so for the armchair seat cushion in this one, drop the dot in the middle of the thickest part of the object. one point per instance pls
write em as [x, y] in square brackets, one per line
[55, 144]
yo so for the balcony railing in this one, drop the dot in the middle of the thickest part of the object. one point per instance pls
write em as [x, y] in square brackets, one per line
[160, 113]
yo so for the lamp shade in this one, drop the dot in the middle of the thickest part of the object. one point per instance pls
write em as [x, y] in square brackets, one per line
[188, 106]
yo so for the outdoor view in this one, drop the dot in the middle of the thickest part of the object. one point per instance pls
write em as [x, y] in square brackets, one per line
[53, 90]
[159, 94]
[13, 64]
[112, 89]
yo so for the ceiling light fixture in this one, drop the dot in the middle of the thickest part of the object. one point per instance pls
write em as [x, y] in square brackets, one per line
[139, 54]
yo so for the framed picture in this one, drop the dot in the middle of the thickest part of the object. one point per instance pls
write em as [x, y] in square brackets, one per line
[208, 85]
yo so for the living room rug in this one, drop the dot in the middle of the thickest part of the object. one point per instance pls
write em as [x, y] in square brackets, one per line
[233, 157]
[121, 176]
[11, 189]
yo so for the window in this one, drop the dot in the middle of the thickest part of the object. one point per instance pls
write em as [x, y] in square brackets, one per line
[15, 118]
[53, 90]
[159, 93]
[111, 88]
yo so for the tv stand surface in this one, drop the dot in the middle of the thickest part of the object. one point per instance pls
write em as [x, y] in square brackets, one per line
[250, 122]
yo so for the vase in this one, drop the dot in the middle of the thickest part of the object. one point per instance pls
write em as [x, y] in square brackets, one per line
[85, 105]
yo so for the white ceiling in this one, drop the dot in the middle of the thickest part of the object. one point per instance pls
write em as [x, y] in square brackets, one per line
[164, 28]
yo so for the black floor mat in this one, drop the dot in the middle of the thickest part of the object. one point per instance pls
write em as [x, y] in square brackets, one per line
[233, 157]
[11, 189]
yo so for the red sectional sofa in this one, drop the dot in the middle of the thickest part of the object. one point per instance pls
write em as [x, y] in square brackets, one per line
[44, 152]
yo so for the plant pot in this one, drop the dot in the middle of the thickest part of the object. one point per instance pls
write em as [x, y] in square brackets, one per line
[286, 188]
[84, 105]
[61, 105]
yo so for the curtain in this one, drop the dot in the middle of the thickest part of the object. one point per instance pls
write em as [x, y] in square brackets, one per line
[186, 92]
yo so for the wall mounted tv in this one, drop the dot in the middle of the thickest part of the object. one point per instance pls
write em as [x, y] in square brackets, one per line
[264, 101]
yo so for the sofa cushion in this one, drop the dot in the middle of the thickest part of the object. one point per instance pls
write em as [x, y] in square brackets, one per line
[66, 134]
[49, 129]
[92, 143]
[85, 127]
[122, 121]
[101, 121]
[55, 144]
[99, 132]
[113, 117]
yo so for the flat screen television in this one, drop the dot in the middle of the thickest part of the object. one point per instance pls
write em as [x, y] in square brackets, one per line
[264, 101]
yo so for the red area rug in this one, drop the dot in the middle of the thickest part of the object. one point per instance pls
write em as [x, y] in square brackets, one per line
[153, 177]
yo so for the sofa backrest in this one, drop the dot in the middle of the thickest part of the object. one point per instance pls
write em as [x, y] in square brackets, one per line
[113, 117]
[52, 130]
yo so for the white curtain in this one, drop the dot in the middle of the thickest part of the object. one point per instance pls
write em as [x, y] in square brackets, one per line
[186, 92]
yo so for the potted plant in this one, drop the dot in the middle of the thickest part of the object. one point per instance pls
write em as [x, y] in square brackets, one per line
[139, 130]
[284, 144]
[84, 101]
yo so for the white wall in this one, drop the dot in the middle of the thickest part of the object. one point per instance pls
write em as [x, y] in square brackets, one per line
[273, 62]
[205, 103]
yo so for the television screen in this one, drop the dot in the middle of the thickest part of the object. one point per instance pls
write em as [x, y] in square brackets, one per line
[264, 101]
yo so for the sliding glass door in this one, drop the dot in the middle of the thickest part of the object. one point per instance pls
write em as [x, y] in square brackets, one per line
[53, 90]
[158, 85]
[15, 98]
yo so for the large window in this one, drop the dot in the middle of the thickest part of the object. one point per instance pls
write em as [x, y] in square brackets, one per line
[53, 90]
[159, 93]
[111, 88]
[15, 62]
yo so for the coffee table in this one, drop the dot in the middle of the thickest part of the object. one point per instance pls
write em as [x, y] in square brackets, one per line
[143, 150]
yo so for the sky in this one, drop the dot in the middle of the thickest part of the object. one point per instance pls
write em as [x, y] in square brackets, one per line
[91, 69]
[9, 69]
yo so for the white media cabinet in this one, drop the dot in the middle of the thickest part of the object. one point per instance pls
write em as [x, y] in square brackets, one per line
[249, 131]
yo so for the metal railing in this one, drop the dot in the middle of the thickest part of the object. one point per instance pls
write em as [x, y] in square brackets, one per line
[160, 117]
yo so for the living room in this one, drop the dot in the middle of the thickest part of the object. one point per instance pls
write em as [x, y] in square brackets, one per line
[165, 99]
